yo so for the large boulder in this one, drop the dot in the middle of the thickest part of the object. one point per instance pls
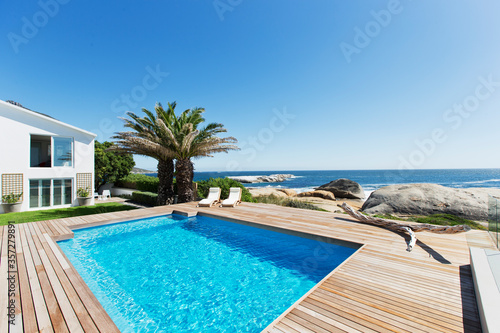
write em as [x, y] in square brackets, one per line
[266, 191]
[318, 194]
[344, 188]
[288, 191]
[427, 199]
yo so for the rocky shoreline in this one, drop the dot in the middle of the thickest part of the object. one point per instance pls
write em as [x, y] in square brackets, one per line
[277, 178]
[398, 200]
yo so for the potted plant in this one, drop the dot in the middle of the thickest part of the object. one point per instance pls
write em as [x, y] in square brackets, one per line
[83, 196]
[11, 203]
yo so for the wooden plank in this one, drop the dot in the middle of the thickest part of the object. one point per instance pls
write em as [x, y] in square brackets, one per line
[332, 317]
[345, 315]
[4, 286]
[295, 326]
[28, 308]
[94, 308]
[401, 303]
[101, 319]
[365, 317]
[55, 250]
[283, 328]
[67, 310]
[60, 228]
[433, 296]
[373, 292]
[15, 295]
[83, 316]
[56, 316]
[398, 309]
[310, 319]
[41, 310]
[49, 227]
[369, 308]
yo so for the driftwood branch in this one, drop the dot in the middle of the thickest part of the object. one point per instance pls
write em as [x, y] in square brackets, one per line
[403, 227]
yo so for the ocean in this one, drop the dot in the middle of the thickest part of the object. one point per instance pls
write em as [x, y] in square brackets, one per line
[371, 180]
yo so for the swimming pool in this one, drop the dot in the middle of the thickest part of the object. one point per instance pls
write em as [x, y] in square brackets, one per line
[200, 274]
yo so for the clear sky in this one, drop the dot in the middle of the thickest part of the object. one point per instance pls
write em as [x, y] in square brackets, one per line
[303, 85]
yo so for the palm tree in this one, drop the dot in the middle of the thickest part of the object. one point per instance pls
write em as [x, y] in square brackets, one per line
[191, 142]
[166, 137]
[149, 139]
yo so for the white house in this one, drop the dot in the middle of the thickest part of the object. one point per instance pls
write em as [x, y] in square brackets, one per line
[44, 159]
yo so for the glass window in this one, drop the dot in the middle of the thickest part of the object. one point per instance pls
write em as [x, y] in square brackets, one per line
[39, 193]
[63, 152]
[68, 190]
[58, 191]
[40, 151]
[33, 193]
[62, 192]
[45, 199]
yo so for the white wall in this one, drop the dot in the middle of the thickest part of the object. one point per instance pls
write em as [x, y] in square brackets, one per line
[16, 127]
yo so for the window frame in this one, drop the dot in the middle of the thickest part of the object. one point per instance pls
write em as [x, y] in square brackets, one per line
[52, 151]
[51, 192]
[72, 145]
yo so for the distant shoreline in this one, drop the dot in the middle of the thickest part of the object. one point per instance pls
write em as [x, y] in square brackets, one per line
[370, 180]
[141, 171]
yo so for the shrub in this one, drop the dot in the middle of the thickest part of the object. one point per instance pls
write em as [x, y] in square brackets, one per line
[139, 182]
[145, 198]
[446, 219]
[301, 204]
[287, 202]
[439, 219]
[388, 217]
[11, 198]
[83, 192]
[128, 181]
[148, 184]
[224, 184]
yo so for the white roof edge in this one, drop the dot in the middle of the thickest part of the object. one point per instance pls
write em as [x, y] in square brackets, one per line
[38, 115]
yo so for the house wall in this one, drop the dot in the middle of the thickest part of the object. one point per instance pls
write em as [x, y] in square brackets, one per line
[16, 128]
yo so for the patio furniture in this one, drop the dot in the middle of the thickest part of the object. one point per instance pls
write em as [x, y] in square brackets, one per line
[212, 198]
[233, 199]
[106, 194]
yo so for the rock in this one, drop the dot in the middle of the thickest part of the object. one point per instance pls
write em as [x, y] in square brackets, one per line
[278, 178]
[288, 191]
[427, 199]
[318, 194]
[265, 191]
[344, 188]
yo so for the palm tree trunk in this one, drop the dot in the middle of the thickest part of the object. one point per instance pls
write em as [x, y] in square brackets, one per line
[184, 174]
[165, 186]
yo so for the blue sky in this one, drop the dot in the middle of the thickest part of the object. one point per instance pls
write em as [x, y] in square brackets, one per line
[303, 85]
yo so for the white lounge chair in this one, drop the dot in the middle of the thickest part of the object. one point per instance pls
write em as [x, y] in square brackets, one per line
[106, 194]
[212, 198]
[233, 199]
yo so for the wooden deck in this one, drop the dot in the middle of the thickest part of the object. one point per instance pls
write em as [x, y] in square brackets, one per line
[381, 288]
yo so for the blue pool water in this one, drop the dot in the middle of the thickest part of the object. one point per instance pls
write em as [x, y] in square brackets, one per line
[198, 274]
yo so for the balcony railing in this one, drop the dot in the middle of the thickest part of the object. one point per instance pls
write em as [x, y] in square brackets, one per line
[494, 219]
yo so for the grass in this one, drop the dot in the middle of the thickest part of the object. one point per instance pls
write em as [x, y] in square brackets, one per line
[446, 219]
[439, 219]
[51, 214]
[388, 217]
[287, 202]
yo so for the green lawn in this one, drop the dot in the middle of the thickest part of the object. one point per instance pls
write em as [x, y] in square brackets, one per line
[51, 214]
